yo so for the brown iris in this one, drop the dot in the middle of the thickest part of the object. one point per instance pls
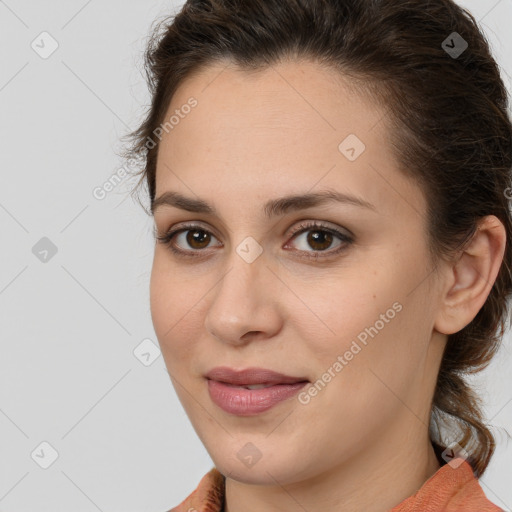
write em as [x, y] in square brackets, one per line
[199, 237]
[322, 238]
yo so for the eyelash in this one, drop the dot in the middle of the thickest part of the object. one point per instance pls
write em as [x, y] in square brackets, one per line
[168, 238]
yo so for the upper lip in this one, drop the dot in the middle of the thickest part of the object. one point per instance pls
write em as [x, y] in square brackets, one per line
[251, 376]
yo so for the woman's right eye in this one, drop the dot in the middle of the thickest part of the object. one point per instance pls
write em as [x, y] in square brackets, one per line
[196, 237]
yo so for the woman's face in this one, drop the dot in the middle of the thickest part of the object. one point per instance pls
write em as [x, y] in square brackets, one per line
[256, 286]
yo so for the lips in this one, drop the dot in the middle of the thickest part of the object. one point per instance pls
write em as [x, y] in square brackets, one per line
[260, 377]
[251, 391]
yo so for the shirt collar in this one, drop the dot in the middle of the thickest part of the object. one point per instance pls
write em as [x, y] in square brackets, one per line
[453, 487]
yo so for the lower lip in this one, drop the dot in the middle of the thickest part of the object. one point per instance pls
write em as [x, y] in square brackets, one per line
[247, 402]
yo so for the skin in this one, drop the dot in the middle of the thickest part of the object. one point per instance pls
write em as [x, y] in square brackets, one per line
[362, 442]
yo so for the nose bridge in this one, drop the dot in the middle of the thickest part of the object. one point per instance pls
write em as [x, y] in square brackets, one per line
[241, 302]
[246, 266]
[238, 290]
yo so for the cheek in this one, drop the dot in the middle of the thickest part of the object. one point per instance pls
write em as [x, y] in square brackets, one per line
[358, 382]
[376, 361]
[342, 308]
[173, 303]
[368, 319]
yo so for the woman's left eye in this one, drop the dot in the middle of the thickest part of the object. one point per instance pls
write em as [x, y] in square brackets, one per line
[319, 237]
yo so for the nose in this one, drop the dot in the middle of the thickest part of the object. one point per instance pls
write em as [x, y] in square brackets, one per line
[244, 304]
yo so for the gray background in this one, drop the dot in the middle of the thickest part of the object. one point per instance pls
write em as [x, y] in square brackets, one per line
[68, 372]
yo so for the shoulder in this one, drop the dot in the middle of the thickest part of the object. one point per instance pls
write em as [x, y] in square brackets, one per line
[453, 488]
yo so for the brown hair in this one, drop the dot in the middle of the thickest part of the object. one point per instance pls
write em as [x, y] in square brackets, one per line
[451, 131]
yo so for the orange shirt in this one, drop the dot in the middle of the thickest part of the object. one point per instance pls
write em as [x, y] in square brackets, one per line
[450, 489]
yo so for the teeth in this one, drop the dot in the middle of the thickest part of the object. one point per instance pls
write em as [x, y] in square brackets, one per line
[258, 386]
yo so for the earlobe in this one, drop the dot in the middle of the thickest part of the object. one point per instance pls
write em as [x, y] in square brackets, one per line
[472, 276]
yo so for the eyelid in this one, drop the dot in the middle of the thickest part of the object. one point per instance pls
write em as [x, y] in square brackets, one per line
[185, 226]
[305, 225]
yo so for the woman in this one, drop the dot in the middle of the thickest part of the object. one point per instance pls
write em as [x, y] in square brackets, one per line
[329, 182]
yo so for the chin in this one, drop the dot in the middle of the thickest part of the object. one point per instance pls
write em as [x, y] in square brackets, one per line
[276, 467]
[259, 474]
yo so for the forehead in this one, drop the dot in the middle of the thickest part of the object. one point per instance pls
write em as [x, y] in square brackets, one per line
[302, 96]
[284, 128]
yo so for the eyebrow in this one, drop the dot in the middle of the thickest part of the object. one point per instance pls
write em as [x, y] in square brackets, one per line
[272, 208]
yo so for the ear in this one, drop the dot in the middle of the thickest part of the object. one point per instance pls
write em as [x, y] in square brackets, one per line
[470, 279]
